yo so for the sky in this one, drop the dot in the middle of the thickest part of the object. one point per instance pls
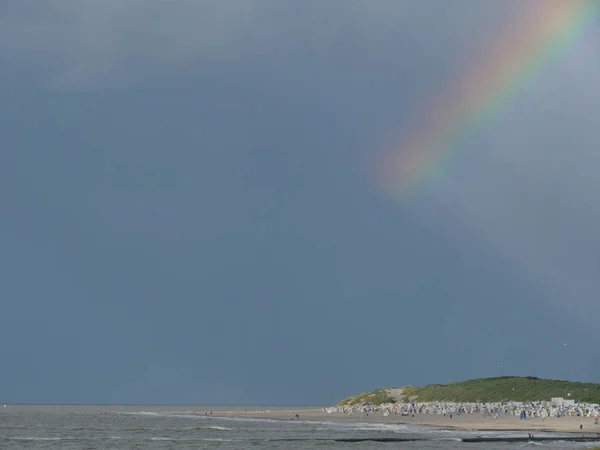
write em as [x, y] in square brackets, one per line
[189, 212]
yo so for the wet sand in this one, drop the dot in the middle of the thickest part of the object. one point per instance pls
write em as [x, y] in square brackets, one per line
[462, 422]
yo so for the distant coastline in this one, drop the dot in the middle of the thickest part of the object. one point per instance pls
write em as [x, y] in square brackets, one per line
[525, 404]
[495, 389]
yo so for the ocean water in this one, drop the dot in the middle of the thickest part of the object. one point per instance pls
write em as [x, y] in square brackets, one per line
[115, 427]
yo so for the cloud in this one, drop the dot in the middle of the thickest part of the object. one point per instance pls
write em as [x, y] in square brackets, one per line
[525, 186]
[76, 44]
[91, 41]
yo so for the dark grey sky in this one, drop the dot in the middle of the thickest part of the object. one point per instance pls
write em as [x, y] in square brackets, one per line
[189, 213]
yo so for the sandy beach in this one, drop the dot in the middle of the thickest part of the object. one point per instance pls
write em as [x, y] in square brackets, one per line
[462, 422]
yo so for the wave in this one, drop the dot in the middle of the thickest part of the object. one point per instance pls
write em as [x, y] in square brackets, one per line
[231, 419]
[36, 438]
[383, 432]
[142, 413]
[362, 426]
[190, 440]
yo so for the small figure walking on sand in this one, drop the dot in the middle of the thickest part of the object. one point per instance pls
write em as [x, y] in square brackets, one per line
[581, 427]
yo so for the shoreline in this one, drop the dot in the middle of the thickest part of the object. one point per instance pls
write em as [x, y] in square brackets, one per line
[464, 422]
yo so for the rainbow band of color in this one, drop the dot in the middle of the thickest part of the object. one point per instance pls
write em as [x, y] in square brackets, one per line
[545, 29]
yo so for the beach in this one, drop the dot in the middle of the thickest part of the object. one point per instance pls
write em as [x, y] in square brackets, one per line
[156, 427]
[504, 422]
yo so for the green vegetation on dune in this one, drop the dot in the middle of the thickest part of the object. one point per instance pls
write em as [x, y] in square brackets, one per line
[375, 398]
[499, 389]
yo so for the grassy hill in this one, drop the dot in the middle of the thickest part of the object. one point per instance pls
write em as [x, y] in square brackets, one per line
[497, 389]
[375, 398]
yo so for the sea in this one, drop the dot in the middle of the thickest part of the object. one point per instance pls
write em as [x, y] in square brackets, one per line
[120, 427]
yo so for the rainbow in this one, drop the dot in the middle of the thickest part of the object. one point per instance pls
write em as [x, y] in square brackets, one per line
[544, 29]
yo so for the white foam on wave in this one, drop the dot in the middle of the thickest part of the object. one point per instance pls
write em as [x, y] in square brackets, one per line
[563, 444]
[235, 419]
[376, 426]
[34, 438]
[213, 427]
[361, 426]
[159, 438]
[498, 433]
[141, 413]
